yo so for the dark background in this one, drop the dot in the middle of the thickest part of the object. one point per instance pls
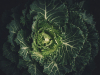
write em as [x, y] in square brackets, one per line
[93, 8]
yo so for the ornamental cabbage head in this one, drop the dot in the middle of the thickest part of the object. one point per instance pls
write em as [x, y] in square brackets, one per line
[50, 37]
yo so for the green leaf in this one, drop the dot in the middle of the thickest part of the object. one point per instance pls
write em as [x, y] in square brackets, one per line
[23, 18]
[72, 43]
[24, 51]
[78, 21]
[23, 63]
[52, 68]
[83, 57]
[33, 69]
[24, 48]
[37, 56]
[93, 38]
[87, 18]
[20, 39]
[49, 10]
[13, 27]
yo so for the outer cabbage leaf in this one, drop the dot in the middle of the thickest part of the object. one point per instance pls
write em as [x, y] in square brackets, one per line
[24, 48]
[33, 69]
[49, 10]
[13, 29]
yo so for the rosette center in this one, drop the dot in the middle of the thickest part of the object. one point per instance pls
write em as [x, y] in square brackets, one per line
[44, 39]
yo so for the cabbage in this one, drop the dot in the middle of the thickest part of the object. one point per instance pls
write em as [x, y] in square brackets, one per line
[50, 37]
